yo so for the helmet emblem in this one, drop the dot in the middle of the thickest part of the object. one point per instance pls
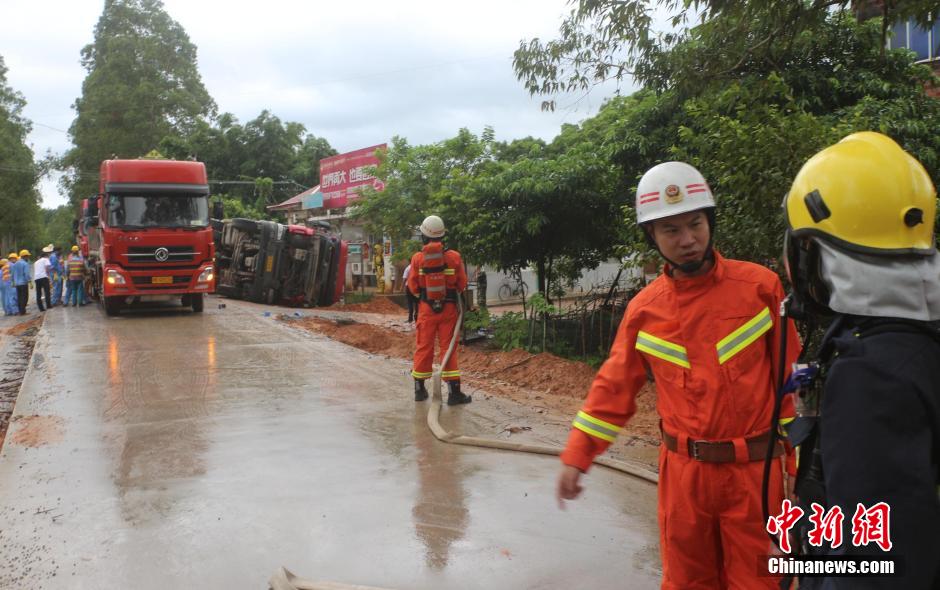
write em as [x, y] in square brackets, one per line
[161, 254]
[673, 194]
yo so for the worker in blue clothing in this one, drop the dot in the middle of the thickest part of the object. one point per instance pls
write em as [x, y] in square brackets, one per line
[6, 285]
[56, 274]
[860, 249]
[9, 301]
[21, 278]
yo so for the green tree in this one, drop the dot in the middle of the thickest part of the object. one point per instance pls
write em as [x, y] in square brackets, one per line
[709, 40]
[424, 180]
[306, 163]
[57, 227]
[544, 209]
[142, 85]
[508, 204]
[265, 147]
[234, 207]
[19, 173]
[749, 129]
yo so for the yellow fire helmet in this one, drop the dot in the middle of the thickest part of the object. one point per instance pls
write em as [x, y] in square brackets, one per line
[864, 194]
[13, 255]
[24, 253]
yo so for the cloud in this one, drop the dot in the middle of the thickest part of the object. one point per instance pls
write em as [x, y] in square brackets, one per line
[356, 73]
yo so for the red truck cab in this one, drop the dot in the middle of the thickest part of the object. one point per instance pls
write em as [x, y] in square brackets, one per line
[148, 233]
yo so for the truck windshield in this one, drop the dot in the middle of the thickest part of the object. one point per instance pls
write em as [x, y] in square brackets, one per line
[158, 210]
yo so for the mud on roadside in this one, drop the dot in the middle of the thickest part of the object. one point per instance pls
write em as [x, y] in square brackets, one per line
[16, 349]
[553, 387]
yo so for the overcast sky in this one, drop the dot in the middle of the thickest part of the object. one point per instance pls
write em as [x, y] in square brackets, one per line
[355, 72]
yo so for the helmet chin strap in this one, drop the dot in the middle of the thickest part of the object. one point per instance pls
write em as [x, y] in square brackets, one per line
[690, 267]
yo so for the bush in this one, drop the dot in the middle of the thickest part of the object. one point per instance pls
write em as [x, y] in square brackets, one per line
[353, 297]
[478, 319]
[510, 330]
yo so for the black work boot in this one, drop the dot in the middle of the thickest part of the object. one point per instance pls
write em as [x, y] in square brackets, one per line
[454, 397]
[421, 393]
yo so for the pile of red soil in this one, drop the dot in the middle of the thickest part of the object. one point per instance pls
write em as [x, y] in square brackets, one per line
[377, 304]
[23, 326]
[368, 337]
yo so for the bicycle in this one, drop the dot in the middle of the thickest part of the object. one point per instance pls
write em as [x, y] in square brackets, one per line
[513, 289]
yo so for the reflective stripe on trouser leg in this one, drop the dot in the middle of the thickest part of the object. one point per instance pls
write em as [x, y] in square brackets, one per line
[424, 343]
[430, 327]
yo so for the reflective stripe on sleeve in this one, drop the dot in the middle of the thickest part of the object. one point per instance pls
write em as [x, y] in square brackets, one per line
[662, 349]
[741, 338]
[450, 271]
[595, 427]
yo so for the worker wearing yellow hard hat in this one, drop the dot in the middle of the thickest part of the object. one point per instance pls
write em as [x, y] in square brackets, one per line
[7, 292]
[860, 251]
[21, 276]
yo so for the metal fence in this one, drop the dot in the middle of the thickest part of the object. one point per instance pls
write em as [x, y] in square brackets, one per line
[586, 330]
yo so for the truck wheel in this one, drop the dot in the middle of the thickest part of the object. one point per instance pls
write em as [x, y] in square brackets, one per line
[198, 302]
[112, 305]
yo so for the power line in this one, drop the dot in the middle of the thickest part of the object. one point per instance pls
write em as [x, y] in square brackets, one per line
[50, 127]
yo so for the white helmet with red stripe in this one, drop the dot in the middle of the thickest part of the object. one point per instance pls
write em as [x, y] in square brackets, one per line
[671, 188]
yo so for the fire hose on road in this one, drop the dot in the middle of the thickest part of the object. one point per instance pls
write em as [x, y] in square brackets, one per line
[475, 441]
[285, 580]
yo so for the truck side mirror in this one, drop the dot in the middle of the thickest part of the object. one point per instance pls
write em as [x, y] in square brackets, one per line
[74, 225]
[92, 221]
[218, 210]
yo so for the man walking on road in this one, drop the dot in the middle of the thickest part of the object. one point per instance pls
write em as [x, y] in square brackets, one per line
[706, 329]
[861, 249]
[21, 279]
[41, 269]
[437, 278]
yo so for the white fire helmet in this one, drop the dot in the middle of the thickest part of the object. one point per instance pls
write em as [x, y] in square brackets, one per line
[671, 188]
[433, 227]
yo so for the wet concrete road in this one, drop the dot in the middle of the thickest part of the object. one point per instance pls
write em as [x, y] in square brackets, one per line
[173, 450]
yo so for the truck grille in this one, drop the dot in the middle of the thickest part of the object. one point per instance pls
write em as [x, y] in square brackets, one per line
[149, 254]
[147, 281]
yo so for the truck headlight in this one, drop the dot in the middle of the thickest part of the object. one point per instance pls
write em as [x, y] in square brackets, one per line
[206, 275]
[115, 278]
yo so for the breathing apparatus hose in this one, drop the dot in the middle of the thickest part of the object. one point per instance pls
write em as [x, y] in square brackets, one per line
[775, 417]
[475, 441]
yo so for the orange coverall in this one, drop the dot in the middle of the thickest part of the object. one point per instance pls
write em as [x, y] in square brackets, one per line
[440, 326]
[711, 344]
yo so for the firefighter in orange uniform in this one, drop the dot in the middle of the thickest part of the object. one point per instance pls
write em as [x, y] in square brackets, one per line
[437, 278]
[707, 329]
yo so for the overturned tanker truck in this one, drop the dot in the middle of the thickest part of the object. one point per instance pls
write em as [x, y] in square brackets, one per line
[268, 262]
